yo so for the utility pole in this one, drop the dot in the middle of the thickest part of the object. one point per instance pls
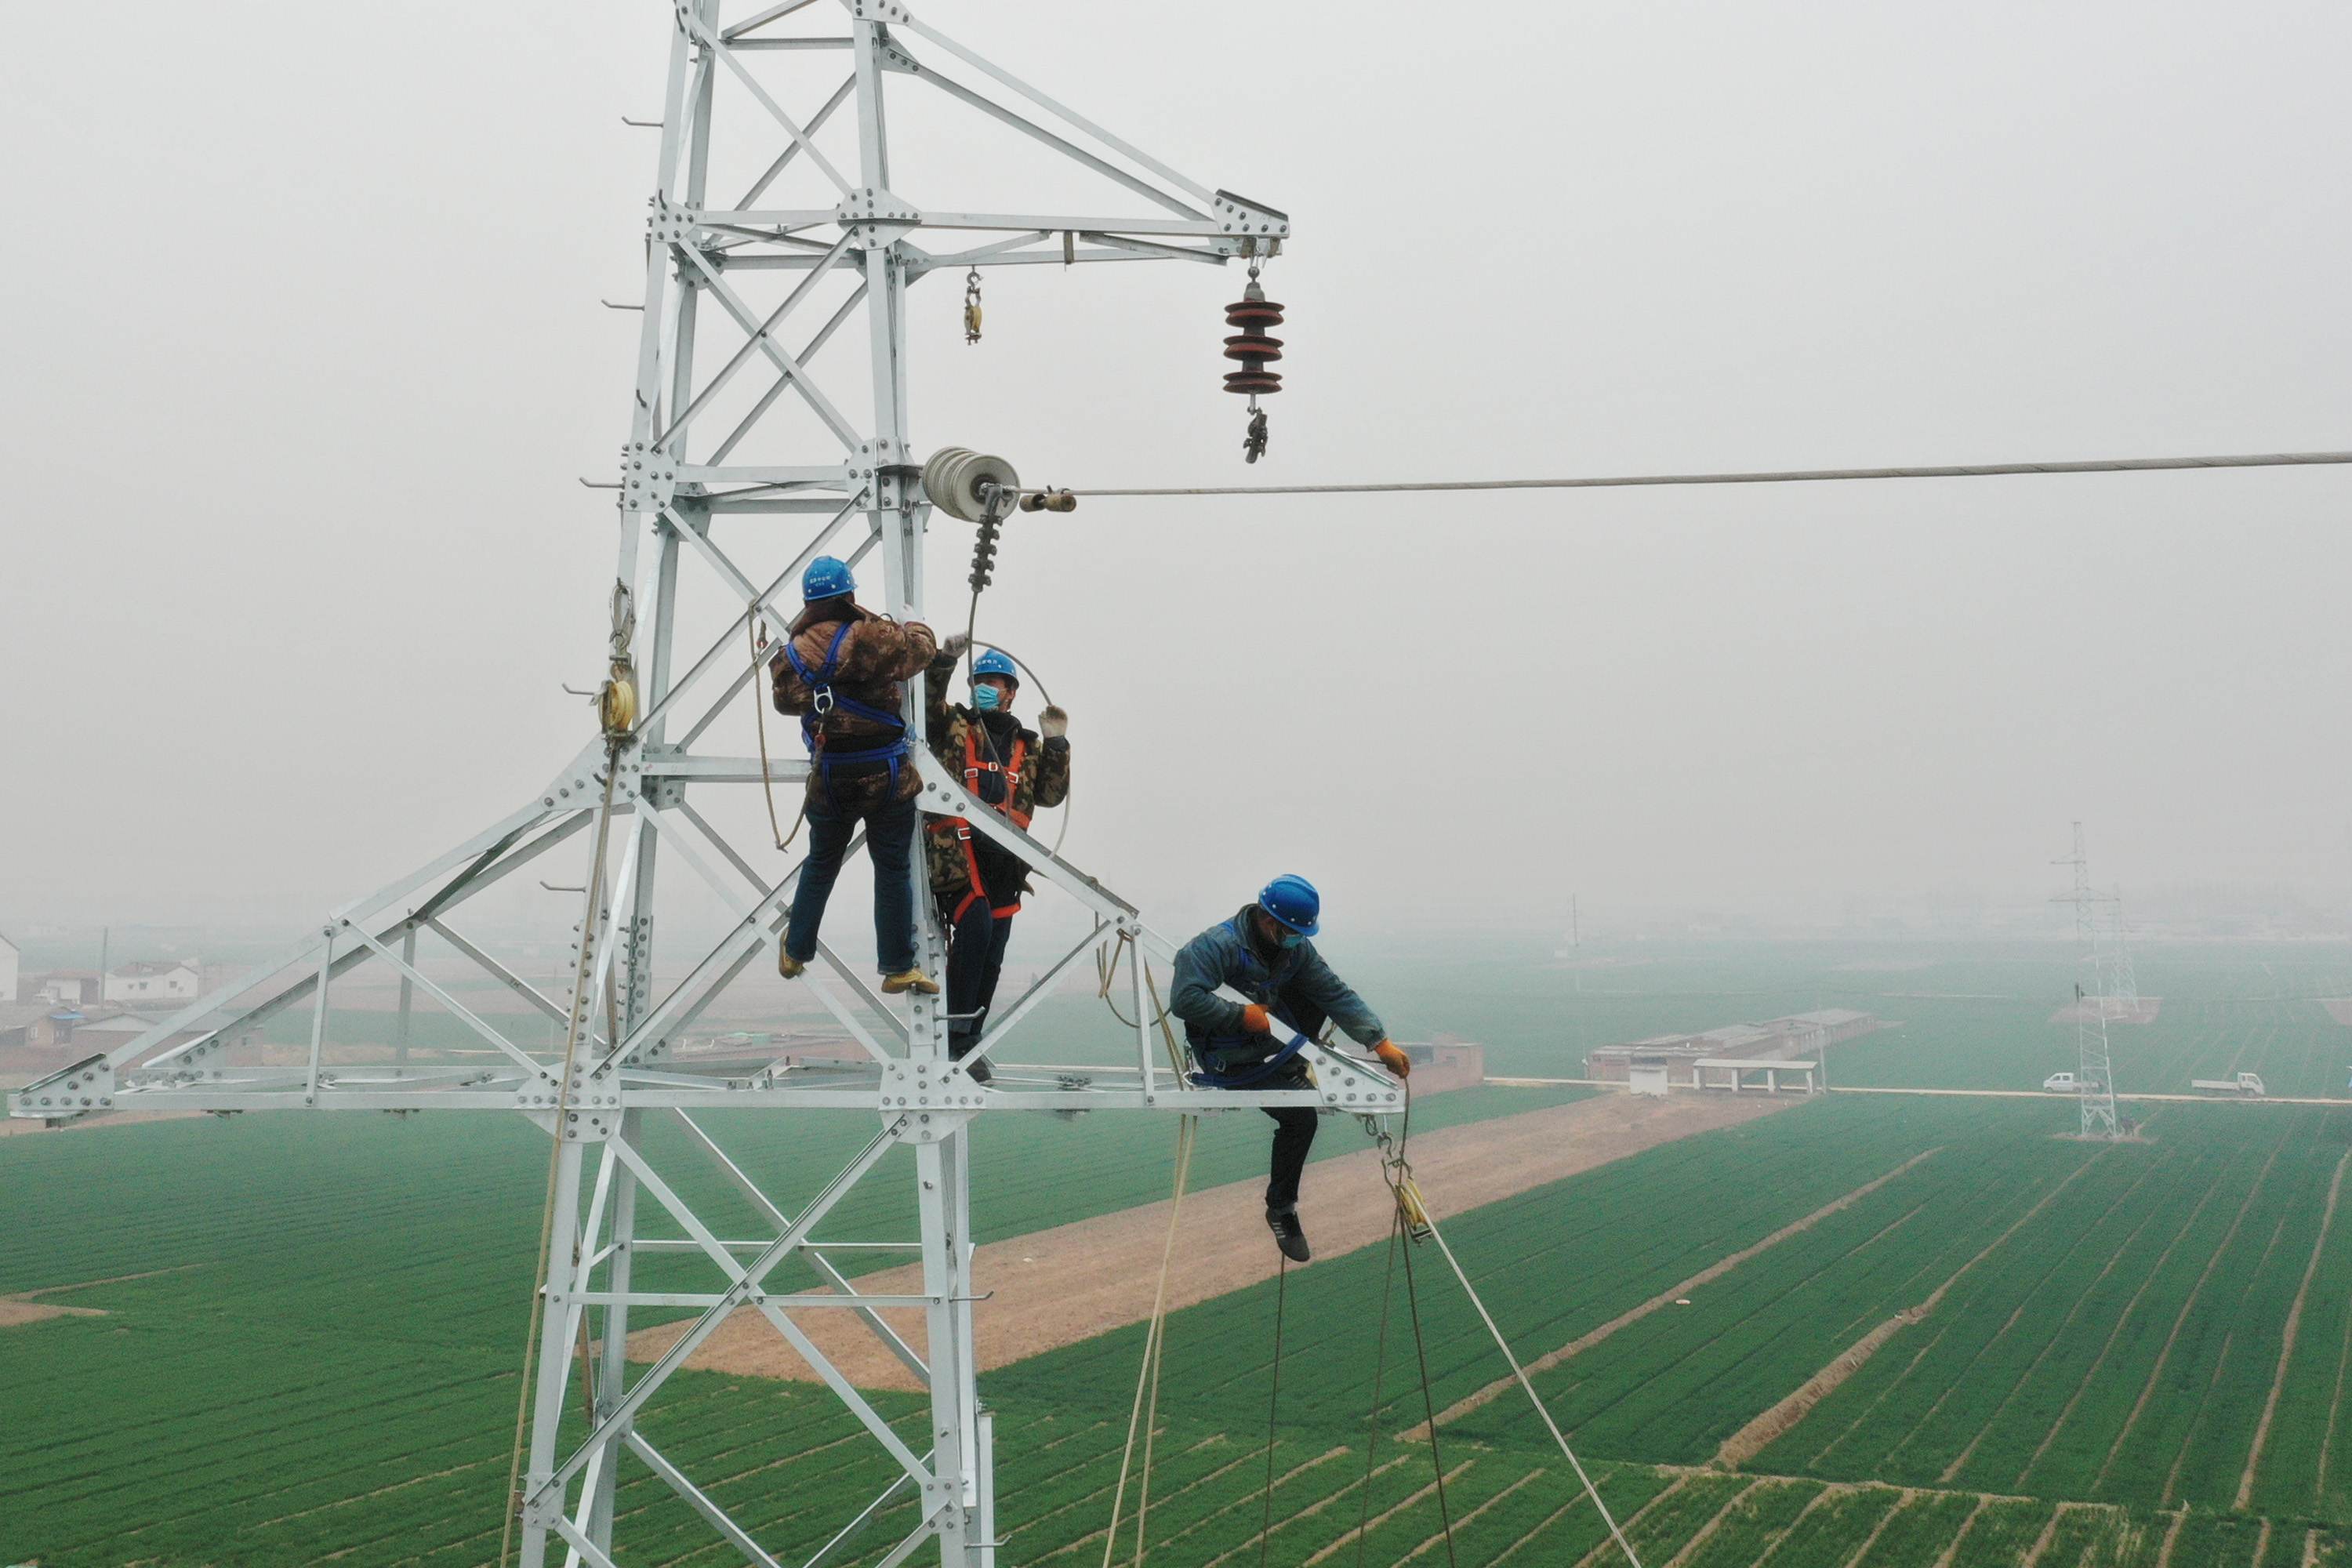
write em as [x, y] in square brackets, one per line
[741, 465]
[2099, 958]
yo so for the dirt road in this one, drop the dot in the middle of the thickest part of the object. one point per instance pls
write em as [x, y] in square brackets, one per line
[1075, 1281]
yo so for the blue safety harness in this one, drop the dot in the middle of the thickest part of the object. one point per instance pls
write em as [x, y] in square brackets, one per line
[1257, 1072]
[823, 700]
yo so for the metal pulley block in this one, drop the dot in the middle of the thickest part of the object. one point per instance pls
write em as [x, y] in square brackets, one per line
[961, 482]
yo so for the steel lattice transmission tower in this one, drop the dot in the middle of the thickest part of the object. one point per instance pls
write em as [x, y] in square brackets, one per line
[738, 449]
[2103, 959]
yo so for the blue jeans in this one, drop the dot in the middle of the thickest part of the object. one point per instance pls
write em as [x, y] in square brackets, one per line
[889, 843]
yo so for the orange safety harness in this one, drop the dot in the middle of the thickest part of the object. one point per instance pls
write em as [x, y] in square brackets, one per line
[972, 768]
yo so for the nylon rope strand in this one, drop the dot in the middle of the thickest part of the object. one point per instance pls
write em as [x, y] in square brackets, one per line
[554, 1156]
[1110, 972]
[1516, 1371]
[1188, 1130]
[759, 717]
[1379, 1366]
[1273, 1401]
[1188, 1135]
[1413, 1303]
[1788, 475]
[1149, 1369]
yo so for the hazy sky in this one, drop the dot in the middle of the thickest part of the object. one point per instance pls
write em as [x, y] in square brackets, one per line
[303, 357]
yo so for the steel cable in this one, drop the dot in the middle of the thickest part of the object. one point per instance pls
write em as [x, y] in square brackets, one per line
[1790, 476]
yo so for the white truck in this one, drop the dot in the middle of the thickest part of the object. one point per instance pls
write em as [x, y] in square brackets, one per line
[2244, 1083]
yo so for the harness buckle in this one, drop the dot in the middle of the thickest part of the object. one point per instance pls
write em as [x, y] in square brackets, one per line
[821, 701]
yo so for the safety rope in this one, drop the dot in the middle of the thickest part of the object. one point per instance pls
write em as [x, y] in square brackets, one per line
[759, 635]
[1107, 972]
[1790, 476]
[1273, 1403]
[1408, 1223]
[1146, 1408]
[1413, 1218]
[555, 1153]
[1379, 1370]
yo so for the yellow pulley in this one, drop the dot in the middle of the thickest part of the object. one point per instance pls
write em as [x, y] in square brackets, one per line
[616, 703]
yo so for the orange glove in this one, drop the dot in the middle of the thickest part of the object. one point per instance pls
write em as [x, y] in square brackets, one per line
[1254, 1020]
[1393, 1057]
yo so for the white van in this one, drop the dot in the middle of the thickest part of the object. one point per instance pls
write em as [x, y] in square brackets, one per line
[2059, 1083]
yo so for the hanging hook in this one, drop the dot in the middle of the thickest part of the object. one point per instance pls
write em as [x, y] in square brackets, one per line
[971, 306]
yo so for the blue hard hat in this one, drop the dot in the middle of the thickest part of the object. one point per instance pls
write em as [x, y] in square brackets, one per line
[826, 577]
[1293, 900]
[996, 661]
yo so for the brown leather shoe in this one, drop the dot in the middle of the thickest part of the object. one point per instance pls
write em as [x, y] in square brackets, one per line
[909, 979]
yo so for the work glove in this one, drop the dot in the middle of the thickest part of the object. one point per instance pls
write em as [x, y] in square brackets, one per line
[1053, 724]
[1393, 1057]
[955, 644]
[1256, 1021]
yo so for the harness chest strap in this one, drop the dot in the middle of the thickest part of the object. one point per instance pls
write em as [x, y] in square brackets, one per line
[972, 768]
[823, 700]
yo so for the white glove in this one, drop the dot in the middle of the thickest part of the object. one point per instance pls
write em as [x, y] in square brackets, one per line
[955, 644]
[1053, 724]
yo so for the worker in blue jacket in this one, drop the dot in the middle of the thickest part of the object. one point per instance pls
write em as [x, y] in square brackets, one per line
[1263, 953]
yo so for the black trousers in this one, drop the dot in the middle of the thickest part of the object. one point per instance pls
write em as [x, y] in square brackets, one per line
[1294, 1125]
[976, 963]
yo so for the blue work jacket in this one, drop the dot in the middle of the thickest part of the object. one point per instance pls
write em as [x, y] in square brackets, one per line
[1222, 955]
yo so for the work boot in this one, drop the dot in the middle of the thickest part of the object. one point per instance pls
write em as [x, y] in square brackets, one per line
[788, 966]
[1288, 1234]
[909, 979]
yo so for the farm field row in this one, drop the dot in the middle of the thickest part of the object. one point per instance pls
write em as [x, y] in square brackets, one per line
[2133, 1343]
[332, 1302]
[2107, 1322]
[792, 1467]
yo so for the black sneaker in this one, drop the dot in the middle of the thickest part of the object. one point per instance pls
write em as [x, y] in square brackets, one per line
[1288, 1234]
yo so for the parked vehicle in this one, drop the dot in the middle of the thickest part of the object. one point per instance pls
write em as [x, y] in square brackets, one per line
[2244, 1083]
[2060, 1083]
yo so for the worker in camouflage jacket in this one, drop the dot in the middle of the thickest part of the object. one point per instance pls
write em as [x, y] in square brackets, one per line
[976, 882]
[843, 668]
[1262, 954]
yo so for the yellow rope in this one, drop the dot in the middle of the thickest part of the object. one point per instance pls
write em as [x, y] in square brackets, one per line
[1147, 1376]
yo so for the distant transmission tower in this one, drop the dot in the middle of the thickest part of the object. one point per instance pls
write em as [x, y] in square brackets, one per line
[2113, 992]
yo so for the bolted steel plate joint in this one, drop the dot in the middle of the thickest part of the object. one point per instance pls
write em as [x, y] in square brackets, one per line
[874, 204]
[672, 224]
[649, 478]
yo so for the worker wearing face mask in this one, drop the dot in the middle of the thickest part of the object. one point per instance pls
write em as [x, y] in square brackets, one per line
[1263, 953]
[977, 883]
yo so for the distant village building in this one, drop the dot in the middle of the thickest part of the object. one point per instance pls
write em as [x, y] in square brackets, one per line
[1734, 1049]
[9, 955]
[169, 980]
[54, 1038]
[71, 988]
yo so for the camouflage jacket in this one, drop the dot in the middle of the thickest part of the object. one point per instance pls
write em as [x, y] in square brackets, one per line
[1044, 781]
[876, 658]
